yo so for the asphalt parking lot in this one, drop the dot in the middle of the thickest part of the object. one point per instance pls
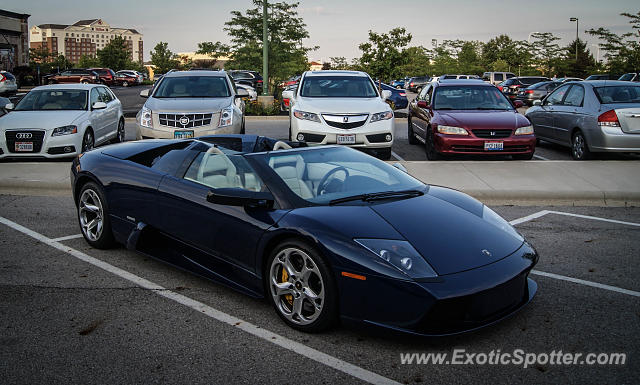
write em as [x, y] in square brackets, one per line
[73, 314]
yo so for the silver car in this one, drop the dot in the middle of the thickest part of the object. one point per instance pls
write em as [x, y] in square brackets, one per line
[187, 104]
[590, 116]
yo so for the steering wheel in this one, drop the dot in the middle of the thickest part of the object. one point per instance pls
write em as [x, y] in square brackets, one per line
[323, 182]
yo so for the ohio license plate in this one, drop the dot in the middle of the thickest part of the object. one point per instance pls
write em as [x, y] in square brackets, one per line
[346, 139]
[183, 134]
[24, 146]
[493, 146]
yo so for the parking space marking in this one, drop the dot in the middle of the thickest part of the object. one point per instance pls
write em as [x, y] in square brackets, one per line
[595, 218]
[276, 339]
[586, 283]
[68, 237]
[397, 156]
[529, 217]
[540, 157]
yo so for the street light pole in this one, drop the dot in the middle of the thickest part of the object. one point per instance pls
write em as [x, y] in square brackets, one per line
[577, 22]
[265, 50]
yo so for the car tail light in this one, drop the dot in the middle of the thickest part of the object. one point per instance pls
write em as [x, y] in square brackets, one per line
[528, 91]
[499, 87]
[259, 81]
[403, 94]
[2, 78]
[411, 84]
[286, 102]
[608, 119]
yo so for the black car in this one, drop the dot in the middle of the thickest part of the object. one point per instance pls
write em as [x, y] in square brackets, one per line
[416, 84]
[249, 78]
[510, 87]
[536, 91]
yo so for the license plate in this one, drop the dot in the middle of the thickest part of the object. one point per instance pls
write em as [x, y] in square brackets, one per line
[183, 134]
[493, 146]
[24, 146]
[346, 139]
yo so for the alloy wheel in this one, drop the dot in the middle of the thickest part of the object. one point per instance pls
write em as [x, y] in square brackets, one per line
[120, 134]
[87, 142]
[91, 215]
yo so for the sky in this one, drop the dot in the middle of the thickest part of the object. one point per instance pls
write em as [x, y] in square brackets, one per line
[339, 26]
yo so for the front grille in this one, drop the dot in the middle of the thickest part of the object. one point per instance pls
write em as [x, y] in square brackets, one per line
[353, 121]
[185, 120]
[37, 136]
[492, 134]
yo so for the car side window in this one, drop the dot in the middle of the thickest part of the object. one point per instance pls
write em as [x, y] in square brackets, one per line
[423, 93]
[575, 96]
[555, 98]
[498, 77]
[95, 96]
[429, 95]
[216, 169]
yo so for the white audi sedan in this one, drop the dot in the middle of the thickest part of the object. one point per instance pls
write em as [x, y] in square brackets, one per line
[341, 107]
[61, 120]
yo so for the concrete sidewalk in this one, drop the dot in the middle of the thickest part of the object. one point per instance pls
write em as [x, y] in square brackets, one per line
[593, 183]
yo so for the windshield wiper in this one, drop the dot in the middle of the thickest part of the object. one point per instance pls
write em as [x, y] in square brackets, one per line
[369, 197]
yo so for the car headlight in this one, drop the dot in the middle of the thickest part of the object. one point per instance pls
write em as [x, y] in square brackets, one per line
[386, 115]
[64, 130]
[401, 255]
[306, 116]
[226, 117]
[451, 130]
[146, 117]
[526, 130]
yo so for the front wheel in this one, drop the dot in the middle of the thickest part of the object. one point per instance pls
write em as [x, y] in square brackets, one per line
[430, 147]
[410, 133]
[120, 133]
[88, 141]
[579, 148]
[94, 217]
[301, 287]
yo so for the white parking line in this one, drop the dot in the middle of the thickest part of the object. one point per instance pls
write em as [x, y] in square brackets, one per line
[540, 157]
[529, 217]
[397, 156]
[68, 237]
[595, 218]
[218, 315]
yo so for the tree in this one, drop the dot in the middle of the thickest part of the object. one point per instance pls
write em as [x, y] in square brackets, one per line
[502, 49]
[582, 67]
[382, 54]
[546, 51]
[416, 62]
[622, 52]
[163, 58]
[87, 61]
[339, 63]
[115, 54]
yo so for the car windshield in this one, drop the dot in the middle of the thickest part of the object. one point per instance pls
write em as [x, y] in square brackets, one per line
[618, 94]
[338, 87]
[192, 87]
[470, 98]
[325, 175]
[626, 77]
[53, 99]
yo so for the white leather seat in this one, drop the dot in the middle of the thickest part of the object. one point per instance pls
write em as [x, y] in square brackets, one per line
[291, 169]
[218, 171]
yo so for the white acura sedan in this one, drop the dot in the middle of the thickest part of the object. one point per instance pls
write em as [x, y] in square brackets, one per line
[61, 120]
[341, 107]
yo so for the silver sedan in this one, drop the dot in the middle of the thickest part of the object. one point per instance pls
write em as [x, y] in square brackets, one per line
[590, 116]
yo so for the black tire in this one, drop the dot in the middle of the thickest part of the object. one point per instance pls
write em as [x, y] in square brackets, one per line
[88, 141]
[242, 127]
[301, 251]
[528, 156]
[93, 194]
[120, 133]
[384, 154]
[410, 133]
[430, 148]
[579, 147]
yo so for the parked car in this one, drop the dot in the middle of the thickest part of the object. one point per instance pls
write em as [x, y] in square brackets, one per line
[106, 75]
[73, 75]
[250, 78]
[187, 104]
[589, 117]
[8, 83]
[291, 81]
[252, 94]
[398, 99]
[63, 120]
[285, 103]
[468, 117]
[125, 80]
[567, 79]
[3, 105]
[630, 77]
[323, 233]
[458, 77]
[497, 77]
[400, 83]
[510, 87]
[139, 77]
[341, 107]
[536, 91]
[417, 83]
[601, 77]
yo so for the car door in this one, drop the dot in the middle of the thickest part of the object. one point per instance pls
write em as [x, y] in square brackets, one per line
[97, 117]
[227, 234]
[542, 117]
[422, 115]
[111, 113]
[567, 115]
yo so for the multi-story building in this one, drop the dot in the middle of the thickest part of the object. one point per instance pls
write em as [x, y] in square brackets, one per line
[14, 40]
[85, 37]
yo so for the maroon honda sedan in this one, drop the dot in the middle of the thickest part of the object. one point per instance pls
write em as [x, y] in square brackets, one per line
[468, 117]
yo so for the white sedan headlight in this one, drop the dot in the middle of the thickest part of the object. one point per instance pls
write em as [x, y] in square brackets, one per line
[64, 130]
[526, 130]
[306, 116]
[386, 115]
[226, 117]
[146, 118]
[451, 130]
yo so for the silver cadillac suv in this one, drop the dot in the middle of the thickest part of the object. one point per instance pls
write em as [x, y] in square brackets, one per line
[187, 104]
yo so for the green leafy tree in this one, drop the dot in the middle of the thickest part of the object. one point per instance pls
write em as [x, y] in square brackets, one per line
[339, 63]
[546, 52]
[115, 54]
[502, 49]
[60, 63]
[582, 67]
[417, 62]
[382, 54]
[163, 58]
[622, 52]
[87, 61]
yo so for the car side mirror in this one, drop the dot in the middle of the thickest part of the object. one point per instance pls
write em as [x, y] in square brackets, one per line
[99, 106]
[537, 102]
[144, 93]
[9, 106]
[287, 95]
[242, 93]
[422, 104]
[240, 197]
[386, 94]
[518, 103]
[400, 167]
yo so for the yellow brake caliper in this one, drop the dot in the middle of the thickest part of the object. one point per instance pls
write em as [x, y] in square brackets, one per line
[285, 278]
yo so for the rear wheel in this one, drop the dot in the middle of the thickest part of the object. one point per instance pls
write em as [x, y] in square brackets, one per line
[579, 148]
[94, 217]
[410, 134]
[301, 287]
[430, 147]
